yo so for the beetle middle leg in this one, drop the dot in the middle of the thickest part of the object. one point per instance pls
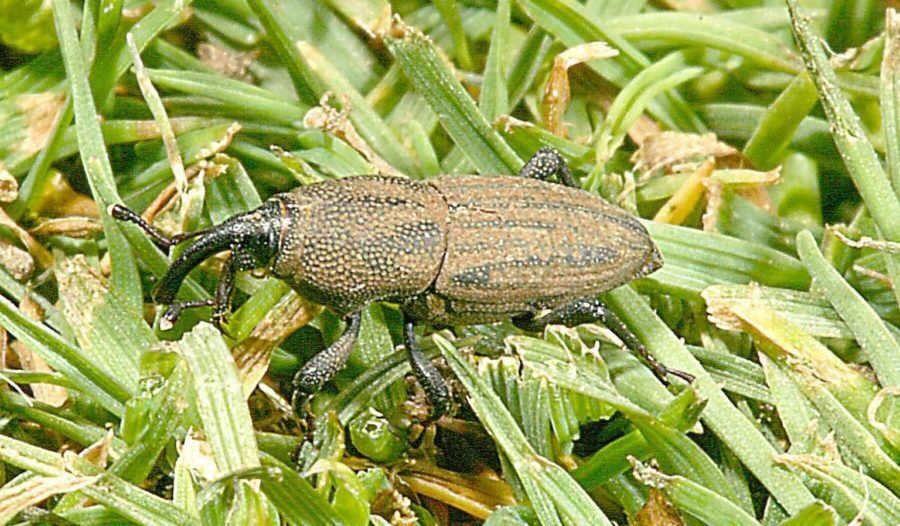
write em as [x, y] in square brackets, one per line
[323, 366]
[427, 374]
[546, 163]
[587, 310]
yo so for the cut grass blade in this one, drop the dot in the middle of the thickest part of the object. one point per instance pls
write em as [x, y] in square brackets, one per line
[555, 496]
[775, 131]
[109, 490]
[816, 514]
[694, 499]
[220, 400]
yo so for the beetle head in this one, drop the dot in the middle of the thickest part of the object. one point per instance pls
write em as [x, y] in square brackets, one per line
[252, 237]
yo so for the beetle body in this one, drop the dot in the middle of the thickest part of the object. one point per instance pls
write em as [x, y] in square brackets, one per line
[452, 250]
[456, 249]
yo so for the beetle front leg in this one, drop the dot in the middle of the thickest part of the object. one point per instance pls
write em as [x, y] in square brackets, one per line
[588, 310]
[239, 261]
[546, 163]
[427, 374]
[322, 367]
[221, 303]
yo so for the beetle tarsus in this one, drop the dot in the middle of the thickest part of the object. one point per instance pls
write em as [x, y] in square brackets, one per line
[173, 312]
[546, 163]
[322, 367]
[588, 310]
[427, 374]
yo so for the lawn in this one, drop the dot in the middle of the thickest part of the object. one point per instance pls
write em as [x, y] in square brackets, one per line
[758, 140]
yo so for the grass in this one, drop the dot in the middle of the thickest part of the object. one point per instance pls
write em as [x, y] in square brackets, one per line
[768, 164]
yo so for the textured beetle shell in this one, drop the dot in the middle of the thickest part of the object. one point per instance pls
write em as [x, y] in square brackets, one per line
[517, 245]
[348, 242]
[457, 249]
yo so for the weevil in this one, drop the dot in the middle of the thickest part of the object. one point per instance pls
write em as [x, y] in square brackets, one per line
[450, 250]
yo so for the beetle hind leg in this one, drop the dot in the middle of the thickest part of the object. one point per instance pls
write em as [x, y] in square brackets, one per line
[546, 163]
[323, 366]
[427, 374]
[588, 310]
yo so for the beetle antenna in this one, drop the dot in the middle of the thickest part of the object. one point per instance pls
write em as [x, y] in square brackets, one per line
[123, 213]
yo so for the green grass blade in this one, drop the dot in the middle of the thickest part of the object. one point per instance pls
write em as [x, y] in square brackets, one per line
[257, 101]
[717, 32]
[95, 159]
[455, 108]
[65, 358]
[295, 498]
[890, 97]
[816, 514]
[220, 401]
[58, 420]
[109, 490]
[101, 322]
[775, 131]
[890, 121]
[870, 331]
[115, 59]
[494, 100]
[720, 415]
[696, 500]
[449, 10]
[859, 156]
[634, 98]
[567, 21]
[829, 477]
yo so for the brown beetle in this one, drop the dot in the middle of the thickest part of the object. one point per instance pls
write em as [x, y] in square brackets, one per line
[452, 250]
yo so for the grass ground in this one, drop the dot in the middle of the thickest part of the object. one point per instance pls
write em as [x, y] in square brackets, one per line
[760, 141]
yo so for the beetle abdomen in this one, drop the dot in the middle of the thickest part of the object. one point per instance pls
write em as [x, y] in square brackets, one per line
[516, 244]
[351, 241]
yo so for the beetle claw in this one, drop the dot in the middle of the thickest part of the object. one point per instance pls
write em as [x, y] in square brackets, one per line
[687, 377]
[169, 317]
[173, 312]
[219, 319]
